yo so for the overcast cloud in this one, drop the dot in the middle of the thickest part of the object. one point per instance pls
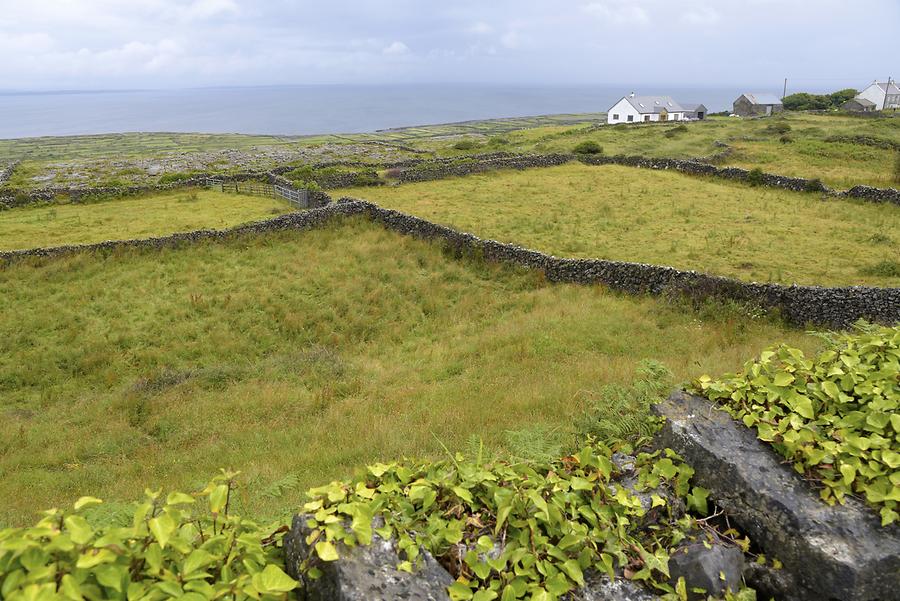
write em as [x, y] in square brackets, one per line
[165, 43]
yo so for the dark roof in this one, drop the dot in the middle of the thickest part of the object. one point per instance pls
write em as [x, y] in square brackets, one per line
[762, 98]
[889, 87]
[692, 107]
[654, 104]
[861, 101]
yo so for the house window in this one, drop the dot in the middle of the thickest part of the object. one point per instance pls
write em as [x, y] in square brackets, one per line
[615, 116]
[646, 117]
[630, 118]
[675, 117]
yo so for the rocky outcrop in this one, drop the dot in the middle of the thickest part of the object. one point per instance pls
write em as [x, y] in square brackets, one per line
[838, 553]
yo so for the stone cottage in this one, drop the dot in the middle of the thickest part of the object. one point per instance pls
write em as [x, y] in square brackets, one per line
[757, 105]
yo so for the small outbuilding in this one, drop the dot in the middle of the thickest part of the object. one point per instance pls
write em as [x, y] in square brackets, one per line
[757, 105]
[693, 111]
[859, 105]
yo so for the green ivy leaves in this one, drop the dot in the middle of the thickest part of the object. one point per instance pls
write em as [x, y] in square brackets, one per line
[513, 531]
[836, 417]
[173, 549]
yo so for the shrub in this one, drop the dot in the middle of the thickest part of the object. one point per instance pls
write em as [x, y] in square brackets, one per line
[786, 139]
[897, 169]
[466, 144]
[618, 411]
[556, 518]
[171, 178]
[588, 147]
[779, 127]
[835, 417]
[499, 141]
[179, 545]
[887, 269]
[841, 96]
[755, 177]
[806, 102]
[674, 131]
[814, 185]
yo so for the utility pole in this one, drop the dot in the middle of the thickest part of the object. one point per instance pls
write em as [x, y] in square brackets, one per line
[784, 93]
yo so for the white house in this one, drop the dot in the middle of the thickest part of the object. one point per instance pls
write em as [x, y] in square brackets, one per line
[639, 109]
[885, 95]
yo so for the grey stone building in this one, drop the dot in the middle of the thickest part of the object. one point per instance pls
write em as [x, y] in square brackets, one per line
[757, 105]
[859, 105]
[694, 111]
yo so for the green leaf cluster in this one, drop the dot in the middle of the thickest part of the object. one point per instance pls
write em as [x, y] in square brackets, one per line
[836, 417]
[182, 546]
[509, 530]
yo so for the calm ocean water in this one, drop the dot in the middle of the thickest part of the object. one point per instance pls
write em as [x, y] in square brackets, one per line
[308, 109]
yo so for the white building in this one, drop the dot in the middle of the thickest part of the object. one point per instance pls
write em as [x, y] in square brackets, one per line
[885, 95]
[639, 109]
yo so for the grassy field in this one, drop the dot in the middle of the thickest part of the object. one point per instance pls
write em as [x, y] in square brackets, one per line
[137, 217]
[666, 218]
[756, 144]
[298, 357]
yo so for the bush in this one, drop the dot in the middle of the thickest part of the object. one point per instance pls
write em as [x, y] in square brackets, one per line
[779, 127]
[755, 177]
[674, 131]
[171, 178]
[897, 169]
[806, 102]
[841, 96]
[786, 139]
[180, 545]
[466, 144]
[499, 141]
[835, 417]
[814, 185]
[588, 147]
[885, 269]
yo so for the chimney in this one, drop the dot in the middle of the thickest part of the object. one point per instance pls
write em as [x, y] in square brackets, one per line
[632, 95]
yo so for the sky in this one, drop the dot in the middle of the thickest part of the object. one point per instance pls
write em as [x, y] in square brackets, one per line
[127, 44]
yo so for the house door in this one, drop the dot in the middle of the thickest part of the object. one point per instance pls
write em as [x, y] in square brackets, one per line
[769, 110]
[663, 115]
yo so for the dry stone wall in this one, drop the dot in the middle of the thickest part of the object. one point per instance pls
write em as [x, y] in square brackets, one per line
[799, 305]
[434, 170]
[7, 171]
[461, 167]
[10, 198]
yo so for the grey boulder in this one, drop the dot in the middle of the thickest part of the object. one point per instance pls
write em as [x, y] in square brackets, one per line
[829, 553]
[363, 573]
[714, 569]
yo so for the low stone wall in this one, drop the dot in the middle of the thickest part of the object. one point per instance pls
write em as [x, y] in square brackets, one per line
[7, 171]
[462, 167]
[15, 198]
[301, 220]
[873, 194]
[799, 305]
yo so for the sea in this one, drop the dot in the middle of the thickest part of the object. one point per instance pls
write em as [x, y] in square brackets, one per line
[311, 109]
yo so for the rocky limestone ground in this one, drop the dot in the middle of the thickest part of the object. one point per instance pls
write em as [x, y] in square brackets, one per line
[148, 170]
